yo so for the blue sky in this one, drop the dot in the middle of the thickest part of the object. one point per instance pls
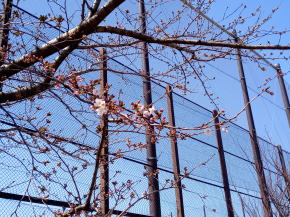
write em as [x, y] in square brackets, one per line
[270, 119]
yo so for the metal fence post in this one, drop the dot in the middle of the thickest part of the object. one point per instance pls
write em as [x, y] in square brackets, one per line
[243, 206]
[174, 153]
[283, 92]
[204, 211]
[254, 140]
[104, 166]
[284, 169]
[223, 165]
[154, 195]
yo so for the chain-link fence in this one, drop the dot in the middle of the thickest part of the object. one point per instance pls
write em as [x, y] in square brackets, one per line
[38, 179]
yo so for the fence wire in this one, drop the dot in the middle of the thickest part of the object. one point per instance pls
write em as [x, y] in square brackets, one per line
[203, 189]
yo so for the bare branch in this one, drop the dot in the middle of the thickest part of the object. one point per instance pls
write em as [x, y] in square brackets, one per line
[26, 92]
[95, 7]
[74, 35]
[175, 42]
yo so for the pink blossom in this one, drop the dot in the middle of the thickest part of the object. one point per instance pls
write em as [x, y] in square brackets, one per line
[146, 114]
[95, 91]
[224, 129]
[100, 106]
[207, 132]
[140, 107]
[139, 125]
[58, 85]
[60, 77]
[152, 110]
[79, 79]
[76, 92]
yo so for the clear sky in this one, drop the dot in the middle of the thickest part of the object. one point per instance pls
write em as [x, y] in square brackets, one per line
[271, 122]
[269, 115]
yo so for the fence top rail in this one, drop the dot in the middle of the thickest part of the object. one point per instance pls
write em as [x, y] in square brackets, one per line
[29, 199]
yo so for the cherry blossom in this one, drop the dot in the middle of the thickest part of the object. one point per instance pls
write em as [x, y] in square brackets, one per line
[95, 91]
[224, 129]
[76, 92]
[140, 107]
[100, 106]
[207, 132]
[152, 110]
[57, 85]
[79, 79]
[146, 114]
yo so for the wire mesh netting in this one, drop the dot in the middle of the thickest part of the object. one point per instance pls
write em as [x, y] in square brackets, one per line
[34, 171]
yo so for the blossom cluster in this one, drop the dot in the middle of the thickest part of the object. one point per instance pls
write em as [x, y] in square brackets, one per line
[144, 114]
[100, 106]
[209, 131]
[73, 81]
[142, 110]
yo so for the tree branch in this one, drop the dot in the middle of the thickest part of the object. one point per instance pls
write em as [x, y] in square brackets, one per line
[74, 35]
[26, 92]
[175, 42]
[95, 7]
[97, 165]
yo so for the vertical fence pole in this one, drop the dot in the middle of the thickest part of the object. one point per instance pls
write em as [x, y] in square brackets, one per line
[223, 165]
[204, 211]
[154, 195]
[243, 206]
[254, 140]
[104, 166]
[283, 92]
[174, 153]
[284, 170]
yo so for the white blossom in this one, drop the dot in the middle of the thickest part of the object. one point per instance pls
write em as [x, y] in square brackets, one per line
[95, 91]
[140, 107]
[100, 106]
[101, 111]
[152, 110]
[146, 114]
[79, 79]
[138, 125]
[225, 130]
